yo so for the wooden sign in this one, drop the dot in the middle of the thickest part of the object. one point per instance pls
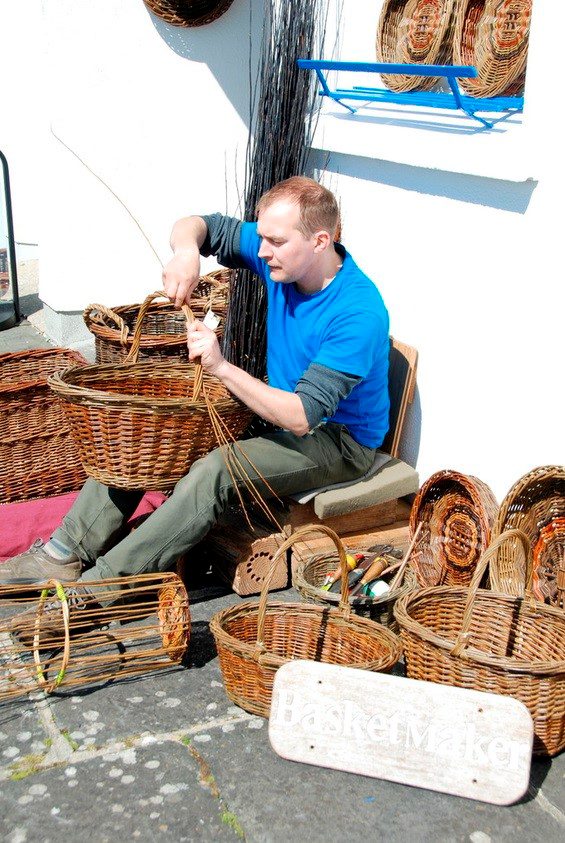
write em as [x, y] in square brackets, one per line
[452, 740]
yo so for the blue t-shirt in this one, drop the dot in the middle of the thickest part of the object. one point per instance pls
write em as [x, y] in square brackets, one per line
[344, 327]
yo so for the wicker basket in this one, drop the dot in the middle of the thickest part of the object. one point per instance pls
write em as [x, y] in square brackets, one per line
[415, 32]
[164, 326]
[38, 457]
[254, 639]
[493, 36]
[310, 574]
[188, 12]
[142, 425]
[479, 639]
[536, 505]
[457, 512]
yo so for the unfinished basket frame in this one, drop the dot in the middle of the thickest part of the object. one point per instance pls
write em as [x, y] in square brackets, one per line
[486, 641]
[457, 512]
[493, 36]
[158, 328]
[536, 505]
[114, 648]
[188, 12]
[38, 457]
[415, 32]
[255, 638]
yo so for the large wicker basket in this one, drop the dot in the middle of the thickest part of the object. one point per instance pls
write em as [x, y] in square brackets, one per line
[142, 425]
[38, 456]
[311, 573]
[536, 505]
[254, 639]
[414, 32]
[163, 331]
[493, 36]
[457, 512]
[188, 12]
[479, 639]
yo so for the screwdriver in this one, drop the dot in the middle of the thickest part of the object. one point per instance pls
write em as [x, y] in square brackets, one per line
[374, 571]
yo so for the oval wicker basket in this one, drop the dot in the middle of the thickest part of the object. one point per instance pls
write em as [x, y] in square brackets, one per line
[311, 572]
[536, 505]
[457, 512]
[164, 326]
[415, 32]
[493, 36]
[188, 12]
[254, 639]
[479, 639]
[142, 425]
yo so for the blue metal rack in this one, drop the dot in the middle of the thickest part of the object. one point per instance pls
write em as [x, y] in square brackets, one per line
[454, 100]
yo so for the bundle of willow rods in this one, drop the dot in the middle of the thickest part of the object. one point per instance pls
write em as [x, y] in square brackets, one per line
[279, 141]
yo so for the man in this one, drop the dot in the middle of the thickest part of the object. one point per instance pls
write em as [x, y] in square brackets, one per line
[327, 391]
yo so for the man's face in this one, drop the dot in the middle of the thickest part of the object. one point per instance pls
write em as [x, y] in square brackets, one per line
[287, 252]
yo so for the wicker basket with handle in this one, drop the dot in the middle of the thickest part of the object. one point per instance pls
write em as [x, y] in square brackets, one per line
[536, 505]
[457, 512]
[493, 36]
[141, 425]
[414, 32]
[255, 638]
[480, 639]
[164, 326]
[38, 457]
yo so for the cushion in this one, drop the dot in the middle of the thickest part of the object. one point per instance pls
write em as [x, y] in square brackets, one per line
[393, 480]
[380, 459]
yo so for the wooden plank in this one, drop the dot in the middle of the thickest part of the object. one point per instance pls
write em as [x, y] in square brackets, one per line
[451, 740]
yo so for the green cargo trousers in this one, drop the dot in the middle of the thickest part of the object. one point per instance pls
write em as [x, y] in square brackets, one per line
[95, 526]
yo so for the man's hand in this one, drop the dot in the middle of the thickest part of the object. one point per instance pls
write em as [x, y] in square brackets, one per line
[202, 343]
[181, 275]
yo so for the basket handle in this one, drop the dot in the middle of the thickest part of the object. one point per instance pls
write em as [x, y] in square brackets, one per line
[462, 640]
[299, 534]
[93, 313]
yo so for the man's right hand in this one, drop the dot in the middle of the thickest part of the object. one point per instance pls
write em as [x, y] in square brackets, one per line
[181, 275]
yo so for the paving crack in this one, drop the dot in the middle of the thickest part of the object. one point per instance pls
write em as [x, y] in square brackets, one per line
[547, 806]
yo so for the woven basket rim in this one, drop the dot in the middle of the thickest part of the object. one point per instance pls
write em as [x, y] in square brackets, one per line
[473, 487]
[214, 10]
[541, 474]
[375, 631]
[79, 394]
[437, 593]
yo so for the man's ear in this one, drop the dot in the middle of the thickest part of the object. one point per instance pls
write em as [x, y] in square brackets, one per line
[322, 241]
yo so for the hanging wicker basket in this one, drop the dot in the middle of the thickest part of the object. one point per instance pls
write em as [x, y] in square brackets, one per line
[188, 12]
[536, 505]
[141, 425]
[38, 457]
[457, 512]
[479, 639]
[415, 32]
[493, 36]
[254, 639]
[163, 334]
[311, 573]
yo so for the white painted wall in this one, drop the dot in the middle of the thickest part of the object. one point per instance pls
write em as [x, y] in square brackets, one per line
[459, 229]
[160, 114]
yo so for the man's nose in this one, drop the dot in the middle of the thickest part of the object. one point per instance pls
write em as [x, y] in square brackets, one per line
[264, 251]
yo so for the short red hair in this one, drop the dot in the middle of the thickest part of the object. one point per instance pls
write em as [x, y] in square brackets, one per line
[318, 206]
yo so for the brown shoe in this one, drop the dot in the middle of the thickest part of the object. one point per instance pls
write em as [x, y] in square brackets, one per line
[36, 565]
[48, 623]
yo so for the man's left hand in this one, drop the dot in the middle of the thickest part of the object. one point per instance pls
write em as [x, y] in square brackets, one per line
[203, 344]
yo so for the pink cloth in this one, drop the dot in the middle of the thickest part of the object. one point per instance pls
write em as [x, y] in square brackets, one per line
[23, 522]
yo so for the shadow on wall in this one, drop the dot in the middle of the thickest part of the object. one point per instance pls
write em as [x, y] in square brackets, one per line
[224, 46]
[478, 190]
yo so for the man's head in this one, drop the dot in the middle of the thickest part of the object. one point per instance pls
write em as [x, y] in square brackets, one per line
[297, 221]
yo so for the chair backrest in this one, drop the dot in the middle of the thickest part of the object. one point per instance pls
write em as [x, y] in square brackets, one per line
[403, 364]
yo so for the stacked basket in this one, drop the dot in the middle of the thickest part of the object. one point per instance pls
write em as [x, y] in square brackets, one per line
[188, 12]
[38, 456]
[159, 327]
[457, 512]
